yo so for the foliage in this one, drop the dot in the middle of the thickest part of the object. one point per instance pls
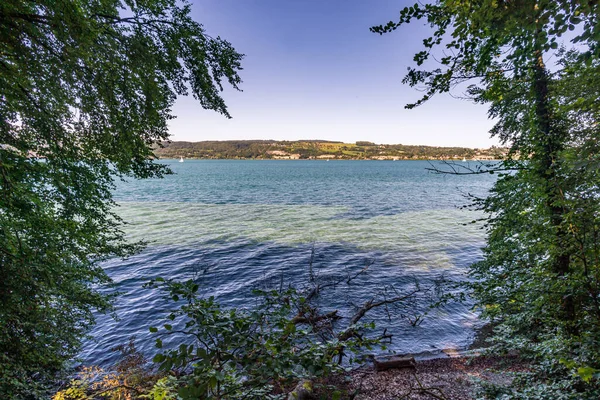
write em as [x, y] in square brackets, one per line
[552, 316]
[129, 378]
[164, 389]
[491, 39]
[540, 277]
[219, 352]
[284, 339]
[280, 345]
[86, 92]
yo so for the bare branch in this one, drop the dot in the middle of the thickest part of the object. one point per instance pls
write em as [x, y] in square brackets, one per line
[301, 319]
[366, 307]
[456, 168]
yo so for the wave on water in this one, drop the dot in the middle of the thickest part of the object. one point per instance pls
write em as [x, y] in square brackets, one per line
[237, 246]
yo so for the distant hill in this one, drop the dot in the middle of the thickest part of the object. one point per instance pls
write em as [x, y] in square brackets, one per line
[319, 149]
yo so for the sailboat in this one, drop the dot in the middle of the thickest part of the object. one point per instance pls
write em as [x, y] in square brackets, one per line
[180, 159]
[464, 159]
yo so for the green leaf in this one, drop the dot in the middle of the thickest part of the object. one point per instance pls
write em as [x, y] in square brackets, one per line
[158, 358]
[586, 373]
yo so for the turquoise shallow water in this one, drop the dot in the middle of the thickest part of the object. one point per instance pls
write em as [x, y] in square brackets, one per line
[250, 224]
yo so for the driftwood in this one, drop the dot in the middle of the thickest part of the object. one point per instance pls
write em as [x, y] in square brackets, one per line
[383, 364]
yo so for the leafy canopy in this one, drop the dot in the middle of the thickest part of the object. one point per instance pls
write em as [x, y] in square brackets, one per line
[491, 38]
[86, 90]
[540, 279]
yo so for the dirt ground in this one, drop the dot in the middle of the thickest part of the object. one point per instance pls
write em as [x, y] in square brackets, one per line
[442, 378]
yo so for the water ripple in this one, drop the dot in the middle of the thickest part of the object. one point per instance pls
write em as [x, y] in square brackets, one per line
[251, 223]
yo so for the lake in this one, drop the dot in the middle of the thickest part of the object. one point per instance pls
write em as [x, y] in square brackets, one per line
[241, 225]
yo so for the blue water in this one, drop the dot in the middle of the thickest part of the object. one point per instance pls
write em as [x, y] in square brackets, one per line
[240, 225]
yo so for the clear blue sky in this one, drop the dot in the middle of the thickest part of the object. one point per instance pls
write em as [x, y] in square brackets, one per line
[313, 70]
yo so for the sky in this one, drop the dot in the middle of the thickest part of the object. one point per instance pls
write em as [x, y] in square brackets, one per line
[313, 70]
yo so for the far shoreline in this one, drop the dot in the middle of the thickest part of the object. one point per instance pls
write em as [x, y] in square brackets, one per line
[326, 159]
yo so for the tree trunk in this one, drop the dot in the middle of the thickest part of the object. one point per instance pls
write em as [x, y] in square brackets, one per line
[549, 139]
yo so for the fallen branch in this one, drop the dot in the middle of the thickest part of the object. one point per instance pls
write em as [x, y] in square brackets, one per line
[434, 392]
[369, 305]
[301, 319]
[320, 286]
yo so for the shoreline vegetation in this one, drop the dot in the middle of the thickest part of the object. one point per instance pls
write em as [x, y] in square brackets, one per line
[320, 150]
[261, 353]
[88, 90]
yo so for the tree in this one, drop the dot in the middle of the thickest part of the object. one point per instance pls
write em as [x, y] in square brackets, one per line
[540, 272]
[549, 315]
[86, 90]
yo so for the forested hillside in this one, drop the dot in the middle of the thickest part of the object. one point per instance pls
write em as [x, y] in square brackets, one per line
[308, 149]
